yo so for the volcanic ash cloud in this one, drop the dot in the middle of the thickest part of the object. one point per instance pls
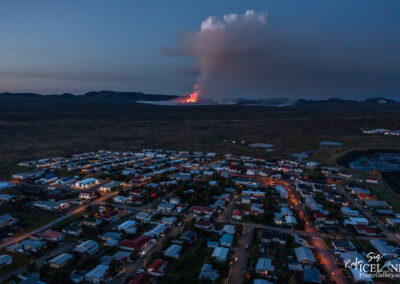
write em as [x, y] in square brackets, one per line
[237, 56]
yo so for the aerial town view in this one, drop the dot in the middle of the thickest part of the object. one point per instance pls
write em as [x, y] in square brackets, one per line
[243, 142]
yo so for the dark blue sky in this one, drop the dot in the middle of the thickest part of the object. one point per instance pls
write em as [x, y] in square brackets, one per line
[79, 46]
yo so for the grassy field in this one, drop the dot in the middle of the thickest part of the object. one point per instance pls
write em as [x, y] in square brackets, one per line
[31, 132]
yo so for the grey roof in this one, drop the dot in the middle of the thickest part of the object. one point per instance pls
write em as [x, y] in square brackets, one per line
[61, 258]
[304, 254]
[98, 272]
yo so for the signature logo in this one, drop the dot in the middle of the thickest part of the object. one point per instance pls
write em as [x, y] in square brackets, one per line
[374, 267]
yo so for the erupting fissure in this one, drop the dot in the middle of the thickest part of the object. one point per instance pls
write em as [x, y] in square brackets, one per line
[191, 98]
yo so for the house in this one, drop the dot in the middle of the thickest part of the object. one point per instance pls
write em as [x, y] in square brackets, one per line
[73, 230]
[6, 197]
[4, 184]
[246, 199]
[175, 200]
[139, 243]
[110, 186]
[6, 220]
[86, 183]
[97, 274]
[65, 181]
[180, 207]
[304, 255]
[264, 265]
[320, 217]
[365, 230]
[173, 251]
[356, 221]
[111, 236]
[290, 220]
[22, 176]
[393, 222]
[165, 207]
[204, 225]
[157, 267]
[269, 236]
[121, 256]
[48, 178]
[229, 229]
[238, 214]
[32, 245]
[87, 195]
[343, 246]
[295, 266]
[51, 205]
[207, 273]
[156, 231]
[168, 221]
[364, 197]
[52, 236]
[377, 204]
[246, 182]
[61, 260]
[384, 249]
[143, 217]
[121, 199]
[188, 236]
[91, 222]
[349, 212]
[220, 254]
[202, 210]
[5, 260]
[111, 216]
[372, 180]
[128, 227]
[226, 240]
[89, 247]
[253, 193]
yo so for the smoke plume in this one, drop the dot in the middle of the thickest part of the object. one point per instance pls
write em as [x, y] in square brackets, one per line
[237, 56]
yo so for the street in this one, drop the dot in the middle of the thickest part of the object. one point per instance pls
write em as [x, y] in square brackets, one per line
[10, 241]
[238, 268]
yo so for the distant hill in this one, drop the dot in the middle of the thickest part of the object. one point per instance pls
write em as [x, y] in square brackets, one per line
[101, 96]
[106, 97]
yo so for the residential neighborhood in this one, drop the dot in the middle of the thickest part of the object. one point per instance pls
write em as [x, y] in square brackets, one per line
[164, 216]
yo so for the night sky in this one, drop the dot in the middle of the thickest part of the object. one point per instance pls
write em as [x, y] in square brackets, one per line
[315, 49]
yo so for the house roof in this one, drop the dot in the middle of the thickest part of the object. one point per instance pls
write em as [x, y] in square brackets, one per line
[226, 238]
[220, 252]
[238, 213]
[264, 264]
[157, 264]
[304, 254]
[61, 258]
[52, 234]
[135, 244]
[98, 272]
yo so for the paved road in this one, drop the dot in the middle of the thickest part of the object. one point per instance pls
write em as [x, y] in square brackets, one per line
[238, 269]
[227, 213]
[10, 241]
[320, 245]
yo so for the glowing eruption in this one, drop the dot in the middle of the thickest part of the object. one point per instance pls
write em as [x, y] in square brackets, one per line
[191, 98]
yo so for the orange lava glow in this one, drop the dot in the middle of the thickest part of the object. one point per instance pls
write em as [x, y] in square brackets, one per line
[191, 98]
